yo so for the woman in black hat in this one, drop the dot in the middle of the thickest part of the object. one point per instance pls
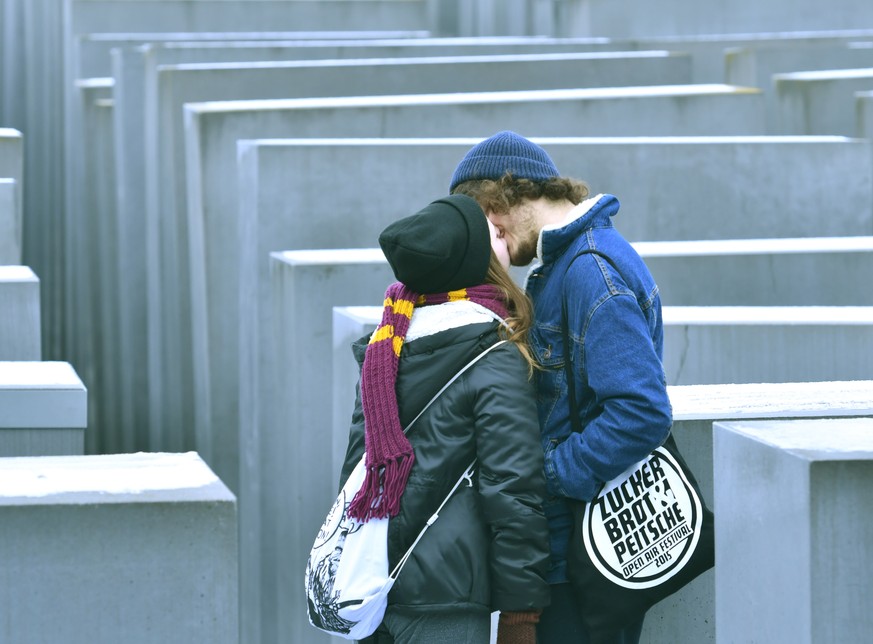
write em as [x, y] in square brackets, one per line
[489, 550]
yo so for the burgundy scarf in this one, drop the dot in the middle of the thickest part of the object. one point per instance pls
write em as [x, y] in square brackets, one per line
[389, 453]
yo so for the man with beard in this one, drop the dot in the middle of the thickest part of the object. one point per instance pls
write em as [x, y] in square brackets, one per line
[616, 340]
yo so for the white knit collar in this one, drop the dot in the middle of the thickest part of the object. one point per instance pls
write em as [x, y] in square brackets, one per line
[427, 320]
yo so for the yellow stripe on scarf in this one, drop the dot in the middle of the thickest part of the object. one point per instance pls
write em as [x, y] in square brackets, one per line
[455, 296]
[382, 333]
[402, 307]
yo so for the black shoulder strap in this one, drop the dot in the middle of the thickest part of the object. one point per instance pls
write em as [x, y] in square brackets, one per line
[565, 337]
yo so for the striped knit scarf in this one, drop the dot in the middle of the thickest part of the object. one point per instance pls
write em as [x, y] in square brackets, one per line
[389, 453]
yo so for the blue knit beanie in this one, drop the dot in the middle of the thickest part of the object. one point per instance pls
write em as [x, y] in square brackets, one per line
[505, 152]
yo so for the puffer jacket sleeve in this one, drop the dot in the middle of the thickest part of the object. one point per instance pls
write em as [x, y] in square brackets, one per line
[511, 483]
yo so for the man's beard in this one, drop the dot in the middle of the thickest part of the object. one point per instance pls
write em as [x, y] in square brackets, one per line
[525, 251]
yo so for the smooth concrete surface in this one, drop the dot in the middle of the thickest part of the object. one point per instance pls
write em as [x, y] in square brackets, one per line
[820, 271]
[819, 102]
[168, 297]
[625, 19]
[710, 51]
[296, 176]
[213, 128]
[132, 548]
[755, 67]
[864, 114]
[87, 244]
[288, 410]
[10, 224]
[92, 51]
[110, 433]
[725, 344]
[43, 409]
[20, 319]
[12, 167]
[795, 515]
[115, 16]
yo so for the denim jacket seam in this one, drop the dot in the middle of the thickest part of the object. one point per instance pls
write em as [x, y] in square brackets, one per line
[650, 300]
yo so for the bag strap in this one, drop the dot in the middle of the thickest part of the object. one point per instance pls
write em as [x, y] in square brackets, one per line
[452, 379]
[466, 476]
[565, 338]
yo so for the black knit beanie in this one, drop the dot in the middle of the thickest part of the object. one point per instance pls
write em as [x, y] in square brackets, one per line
[445, 246]
[504, 152]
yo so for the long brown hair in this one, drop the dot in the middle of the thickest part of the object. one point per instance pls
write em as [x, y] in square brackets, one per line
[520, 309]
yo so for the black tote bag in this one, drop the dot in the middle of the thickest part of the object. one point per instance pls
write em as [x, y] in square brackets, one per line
[647, 534]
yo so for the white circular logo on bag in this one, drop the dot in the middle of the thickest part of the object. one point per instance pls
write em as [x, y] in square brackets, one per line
[644, 526]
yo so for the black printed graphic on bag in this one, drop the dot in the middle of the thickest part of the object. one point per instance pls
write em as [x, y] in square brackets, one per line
[324, 603]
[643, 528]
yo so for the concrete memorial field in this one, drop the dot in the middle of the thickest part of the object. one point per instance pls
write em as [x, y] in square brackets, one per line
[150, 88]
[213, 128]
[167, 244]
[191, 193]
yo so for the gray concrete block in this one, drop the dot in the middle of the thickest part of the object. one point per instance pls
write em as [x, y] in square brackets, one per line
[864, 114]
[110, 433]
[43, 409]
[295, 176]
[12, 167]
[234, 16]
[821, 271]
[287, 419]
[20, 320]
[794, 514]
[213, 128]
[92, 51]
[677, 18]
[690, 615]
[711, 52]
[714, 344]
[10, 223]
[104, 549]
[755, 67]
[86, 245]
[819, 102]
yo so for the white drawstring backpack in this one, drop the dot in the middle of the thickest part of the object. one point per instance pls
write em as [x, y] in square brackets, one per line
[347, 580]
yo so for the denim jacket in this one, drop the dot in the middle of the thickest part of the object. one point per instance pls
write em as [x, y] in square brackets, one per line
[616, 333]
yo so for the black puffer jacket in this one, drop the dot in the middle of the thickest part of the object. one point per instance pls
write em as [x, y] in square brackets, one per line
[489, 548]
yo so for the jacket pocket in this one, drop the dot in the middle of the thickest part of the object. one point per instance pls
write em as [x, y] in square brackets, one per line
[548, 346]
